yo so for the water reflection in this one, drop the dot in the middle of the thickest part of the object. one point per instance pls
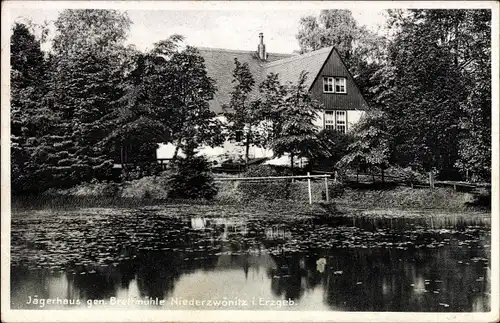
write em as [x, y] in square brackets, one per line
[252, 263]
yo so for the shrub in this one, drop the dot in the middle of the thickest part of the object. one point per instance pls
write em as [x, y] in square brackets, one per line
[92, 189]
[229, 191]
[192, 179]
[407, 174]
[155, 187]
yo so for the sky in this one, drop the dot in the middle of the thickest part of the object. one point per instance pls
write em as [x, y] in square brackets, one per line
[231, 29]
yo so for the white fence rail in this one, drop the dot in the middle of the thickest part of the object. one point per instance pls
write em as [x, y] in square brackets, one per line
[268, 178]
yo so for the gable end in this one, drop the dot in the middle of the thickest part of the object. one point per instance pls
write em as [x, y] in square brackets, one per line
[334, 66]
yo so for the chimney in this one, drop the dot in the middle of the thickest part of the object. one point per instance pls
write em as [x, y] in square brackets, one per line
[261, 49]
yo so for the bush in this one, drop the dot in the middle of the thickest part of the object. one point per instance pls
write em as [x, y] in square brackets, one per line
[192, 179]
[229, 191]
[155, 187]
[407, 174]
[92, 189]
[333, 145]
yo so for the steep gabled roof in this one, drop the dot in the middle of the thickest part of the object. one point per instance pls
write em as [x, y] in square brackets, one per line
[220, 65]
[289, 69]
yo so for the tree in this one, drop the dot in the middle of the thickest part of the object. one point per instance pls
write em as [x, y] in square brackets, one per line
[294, 132]
[98, 31]
[426, 87]
[190, 120]
[362, 50]
[332, 146]
[475, 142]
[141, 119]
[244, 115]
[87, 56]
[335, 27]
[371, 144]
[31, 117]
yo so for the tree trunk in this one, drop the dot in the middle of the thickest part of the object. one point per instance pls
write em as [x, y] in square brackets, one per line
[373, 175]
[382, 173]
[357, 174]
[291, 165]
[247, 148]
[122, 161]
[176, 152]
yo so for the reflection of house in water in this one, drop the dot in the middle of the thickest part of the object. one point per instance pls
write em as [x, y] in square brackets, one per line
[226, 226]
[278, 232]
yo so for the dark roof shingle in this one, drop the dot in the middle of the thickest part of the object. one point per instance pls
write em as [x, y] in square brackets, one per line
[289, 69]
[220, 65]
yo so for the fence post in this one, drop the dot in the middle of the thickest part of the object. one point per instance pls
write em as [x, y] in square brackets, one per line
[326, 189]
[309, 187]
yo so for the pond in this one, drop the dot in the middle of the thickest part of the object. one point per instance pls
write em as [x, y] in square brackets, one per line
[213, 257]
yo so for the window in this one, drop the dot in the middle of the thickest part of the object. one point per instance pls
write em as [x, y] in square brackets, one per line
[336, 120]
[238, 136]
[340, 85]
[340, 121]
[329, 120]
[334, 85]
[328, 84]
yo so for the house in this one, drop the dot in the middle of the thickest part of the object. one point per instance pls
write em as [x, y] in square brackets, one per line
[329, 82]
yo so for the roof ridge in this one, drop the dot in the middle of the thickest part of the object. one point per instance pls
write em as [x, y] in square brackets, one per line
[215, 49]
[296, 57]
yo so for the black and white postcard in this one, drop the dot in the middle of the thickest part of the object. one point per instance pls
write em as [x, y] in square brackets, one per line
[250, 161]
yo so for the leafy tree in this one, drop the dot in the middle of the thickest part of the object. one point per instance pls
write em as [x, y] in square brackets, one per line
[426, 88]
[166, 94]
[475, 141]
[191, 120]
[371, 144]
[98, 31]
[272, 99]
[87, 56]
[332, 146]
[294, 132]
[243, 114]
[141, 118]
[362, 50]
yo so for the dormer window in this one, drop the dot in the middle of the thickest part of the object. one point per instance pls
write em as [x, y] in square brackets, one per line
[334, 84]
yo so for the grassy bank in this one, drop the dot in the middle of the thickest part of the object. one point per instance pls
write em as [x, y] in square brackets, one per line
[410, 198]
[270, 196]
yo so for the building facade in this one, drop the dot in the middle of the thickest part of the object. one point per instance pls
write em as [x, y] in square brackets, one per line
[329, 82]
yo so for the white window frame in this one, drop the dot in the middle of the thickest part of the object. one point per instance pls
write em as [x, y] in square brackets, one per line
[330, 121]
[336, 120]
[342, 84]
[341, 122]
[328, 84]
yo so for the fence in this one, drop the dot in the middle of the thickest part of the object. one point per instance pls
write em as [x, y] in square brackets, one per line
[271, 178]
[398, 180]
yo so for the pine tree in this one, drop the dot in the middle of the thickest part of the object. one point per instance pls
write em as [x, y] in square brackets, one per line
[31, 116]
